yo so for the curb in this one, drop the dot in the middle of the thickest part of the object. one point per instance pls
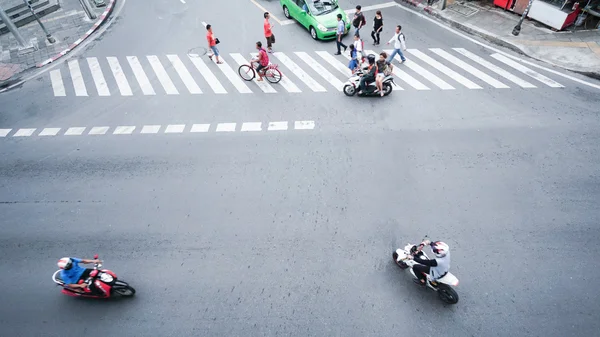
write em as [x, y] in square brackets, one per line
[98, 23]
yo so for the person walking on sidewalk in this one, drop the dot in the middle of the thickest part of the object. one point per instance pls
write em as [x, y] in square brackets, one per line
[212, 44]
[358, 21]
[377, 27]
[269, 32]
[399, 45]
[341, 30]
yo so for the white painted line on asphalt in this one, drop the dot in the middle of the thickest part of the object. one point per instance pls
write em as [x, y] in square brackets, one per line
[162, 75]
[443, 69]
[57, 83]
[329, 77]
[281, 22]
[496, 69]
[233, 77]
[204, 24]
[252, 126]
[470, 69]
[182, 1]
[302, 75]
[285, 82]
[24, 132]
[372, 7]
[335, 63]
[4, 132]
[75, 131]
[394, 87]
[175, 128]
[210, 78]
[117, 71]
[150, 129]
[200, 128]
[98, 130]
[185, 76]
[123, 130]
[278, 126]
[263, 85]
[413, 82]
[226, 127]
[304, 125]
[98, 76]
[77, 78]
[49, 132]
[140, 75]
[527, 71]
[425, 73]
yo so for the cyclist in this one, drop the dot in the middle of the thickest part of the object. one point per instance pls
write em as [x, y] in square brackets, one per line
[263, 61]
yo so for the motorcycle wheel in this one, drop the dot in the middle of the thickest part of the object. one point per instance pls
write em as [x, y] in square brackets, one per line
[387, 89]
[127, 291]
[400, 264]
[349, 90]
[447, 294]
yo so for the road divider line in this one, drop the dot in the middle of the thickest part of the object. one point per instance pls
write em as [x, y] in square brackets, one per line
[123, 130]
[200, 128]
[4, 132]
[98, 130]
[150, 129]
[24, 132]
[226, 127]
[265, 10]
[49, 132]
[175, 128]
[278, 126]
[75, 131]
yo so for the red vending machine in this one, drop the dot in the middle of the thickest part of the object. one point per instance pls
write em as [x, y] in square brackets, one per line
[504, 4]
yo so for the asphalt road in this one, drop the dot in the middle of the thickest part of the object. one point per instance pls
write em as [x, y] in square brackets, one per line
[291, 232]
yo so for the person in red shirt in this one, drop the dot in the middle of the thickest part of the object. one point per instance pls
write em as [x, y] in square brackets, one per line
[262, 59]
[212, 44]
[268, 32]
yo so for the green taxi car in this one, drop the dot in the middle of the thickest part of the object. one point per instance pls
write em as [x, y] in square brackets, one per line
[318, 16]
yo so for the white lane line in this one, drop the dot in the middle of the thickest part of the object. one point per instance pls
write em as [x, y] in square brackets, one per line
[329, 77]
[182, 1]
[49, 132]
[162, 75]
[123, 130]
[413, 82]
[302, 75]
[285, 82]
[77, 78]
[24, 132]
[233, 77]
[426, 74]
[175, 128]
[263, 85]
[57, 83]
[98, 76]
[373, 7]
[140, 75]
[210, 78]
[200, 128]
[226, 127]
[183, 73]
[470, 69]
[304, 125]
[75, 131]
[518, 81]
[117, 72]
[252, 126]
[445, 70]
[527, 71]
[150, 129]
[4, 132]
[98, 130]
[278, 126]
[394, 87]
[335, 63]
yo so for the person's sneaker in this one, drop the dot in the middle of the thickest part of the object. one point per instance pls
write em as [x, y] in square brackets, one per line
[338, 53]
[345, 48]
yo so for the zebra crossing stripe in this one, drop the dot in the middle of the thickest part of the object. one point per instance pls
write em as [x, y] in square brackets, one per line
[335, 63]
[119, 76]
[77, 78]
[210, 78]
[185, 76]
[162, 75]
[394, 87]
[98, 77]
[311, 62]
[285, 81]
[302, 75]
[425, 73]
[527, 71]
[263, 85]
[233, 77]
[140, 76]
[445, 70]
[57, 83]
[496, 69]
[470, 69]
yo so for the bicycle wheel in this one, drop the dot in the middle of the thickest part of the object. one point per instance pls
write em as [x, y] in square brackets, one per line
[246, 72]
[273, 75]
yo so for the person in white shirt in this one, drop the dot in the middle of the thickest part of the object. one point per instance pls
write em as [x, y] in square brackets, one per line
[358, 47]
[399, 45]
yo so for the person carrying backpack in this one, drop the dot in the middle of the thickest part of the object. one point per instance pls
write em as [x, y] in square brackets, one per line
[341, 30]
[399, 45]
[358, 21]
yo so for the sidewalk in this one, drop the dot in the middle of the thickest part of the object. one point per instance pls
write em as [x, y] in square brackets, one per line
[578, 51]
[69, 25]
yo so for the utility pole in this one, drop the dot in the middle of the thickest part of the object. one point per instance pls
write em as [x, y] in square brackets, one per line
[517, 28]
[48, 35]
[13, 29]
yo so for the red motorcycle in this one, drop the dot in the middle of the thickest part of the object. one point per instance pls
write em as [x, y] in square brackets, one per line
[103, 279]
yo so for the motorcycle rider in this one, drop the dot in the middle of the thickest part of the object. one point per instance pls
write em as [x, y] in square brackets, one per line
[71, 273]
[436, 268]
[368, 76]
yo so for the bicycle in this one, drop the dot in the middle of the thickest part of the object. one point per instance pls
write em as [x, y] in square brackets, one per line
[271, 72]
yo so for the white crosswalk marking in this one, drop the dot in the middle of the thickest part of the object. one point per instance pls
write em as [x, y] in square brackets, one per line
[175, 128]
[119, 76]
[496, 69]
[233, 77]
[210, 78]
[263, 85]
[527, 71]
[49, 132]
[123, 130]
[150, 129]
[413, 82]
[394, 87]
[285, 82]
[445, 70]
[425, 73]
[278, 126]
[472, 70]
[302, 75]
[77, 78]
[335, 63]
[251, 126]
[185, 76]
[57, 83]
[140, 75]
[311, 62]
[162, 75]
[4, 132]
[75, 131]
[24, 133]
[98, 130]
[226, 127]
[200, 128]
[98, 77]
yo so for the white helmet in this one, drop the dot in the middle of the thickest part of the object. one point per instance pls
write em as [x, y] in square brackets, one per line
[65, 263]
[440, 249]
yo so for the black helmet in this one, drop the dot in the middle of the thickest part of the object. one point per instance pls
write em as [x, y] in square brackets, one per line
[371, 59]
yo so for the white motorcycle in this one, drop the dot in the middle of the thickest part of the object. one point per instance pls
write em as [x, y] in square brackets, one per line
[443, 286]
[352, 85]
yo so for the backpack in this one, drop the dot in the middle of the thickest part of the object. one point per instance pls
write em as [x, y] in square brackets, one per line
[402, 36]
[358, 20]
[345, 28]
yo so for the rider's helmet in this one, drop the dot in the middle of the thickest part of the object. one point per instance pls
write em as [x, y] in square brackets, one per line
[440, 249]
[371, 59]
[65, 263]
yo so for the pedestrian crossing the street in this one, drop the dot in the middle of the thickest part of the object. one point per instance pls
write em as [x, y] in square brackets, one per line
[303, 72]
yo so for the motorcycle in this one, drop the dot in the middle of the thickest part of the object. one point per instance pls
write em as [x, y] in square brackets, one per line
[103, 279]
[443, 286]
[352, 86]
